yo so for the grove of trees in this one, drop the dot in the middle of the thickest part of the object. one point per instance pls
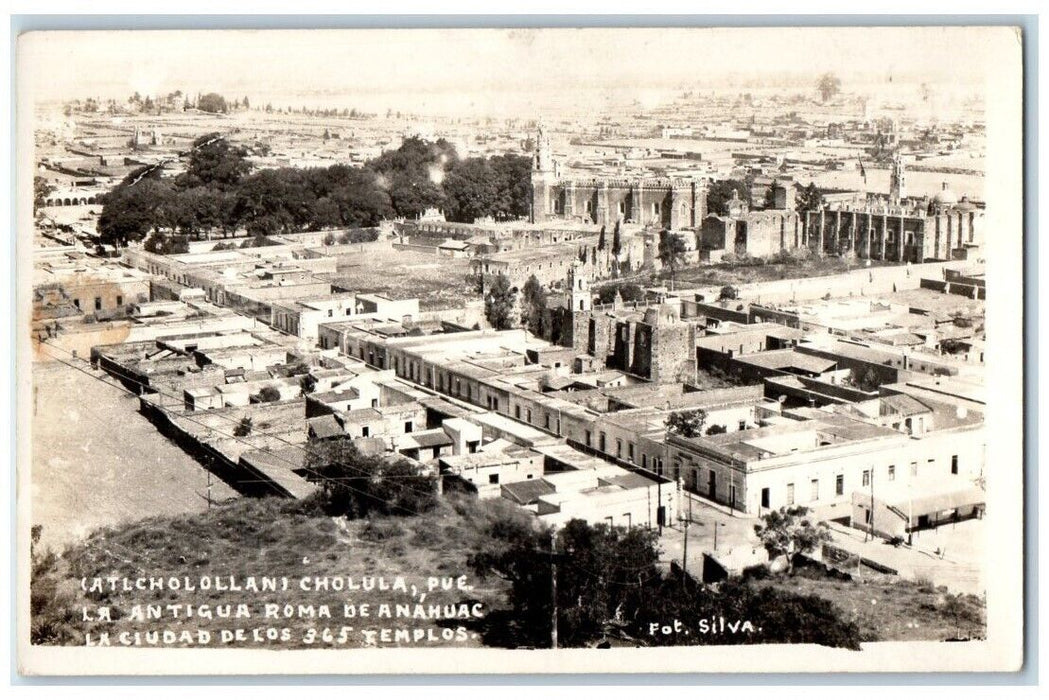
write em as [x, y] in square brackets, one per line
[609, 584]
[220, 194]
[358, 485]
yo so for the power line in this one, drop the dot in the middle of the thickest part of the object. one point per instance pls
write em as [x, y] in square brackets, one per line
[564, 559]
[299, 465]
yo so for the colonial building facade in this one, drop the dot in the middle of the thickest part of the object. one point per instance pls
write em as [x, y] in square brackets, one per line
[660, 202]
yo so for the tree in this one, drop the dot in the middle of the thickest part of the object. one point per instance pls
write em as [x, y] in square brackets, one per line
[809, 199]
[268, 394]
[470, 190]
[628, 291]
[533, 303]
[243, 428]
[764, 615]
[213, 103]
[601, 572]
[687, 423]
[788, 532]
[617, 240]
[828, 86]
[214, 162]
[671, 252]
[721, 192]
[716, 430]
[864, 381]
[412, 174]
[356, 485]
[138, 205]
[308, 384]
[499, 302]
[42, 189]
[728, 292]
[770, 195]
[166, 244]
[601, 239]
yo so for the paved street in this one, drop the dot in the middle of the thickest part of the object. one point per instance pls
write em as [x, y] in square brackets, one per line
[732, 531]
[958, 569]
[99, 462]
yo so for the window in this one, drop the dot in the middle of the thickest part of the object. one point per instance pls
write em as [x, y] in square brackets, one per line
[743, 425]
[790, 494]
[364, 431]
[814, 493]
[493, 478]
[866, 477]
[529, 412]
[407, 426]
[375, 403]
[892, 472]
[76, 303]
[98, 303]
[954, 464]
[546, 420]
[471, 446]
[517, 412]
[766, 497]
[601, 442]
[644, 461]
[630, 451]
[914, 469]
[120, 300]
[839, 485]
[619, 447]
[587, 438]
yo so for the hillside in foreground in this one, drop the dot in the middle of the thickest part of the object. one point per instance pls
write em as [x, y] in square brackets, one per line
[277, 573]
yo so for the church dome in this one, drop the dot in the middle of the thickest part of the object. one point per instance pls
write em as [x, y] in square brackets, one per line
[945, 197]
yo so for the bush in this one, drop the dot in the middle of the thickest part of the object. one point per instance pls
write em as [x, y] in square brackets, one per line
[728, 292]
[381, 530]
[243, 428]
[268, 394]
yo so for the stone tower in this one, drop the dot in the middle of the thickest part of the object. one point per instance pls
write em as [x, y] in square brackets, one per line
[897, 179]
[579, 289]
[544, 176]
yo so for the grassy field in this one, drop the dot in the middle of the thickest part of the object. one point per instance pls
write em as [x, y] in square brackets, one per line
[438, 282]
[740, 273]
[888, 608]
[297, 541]
[278, 538]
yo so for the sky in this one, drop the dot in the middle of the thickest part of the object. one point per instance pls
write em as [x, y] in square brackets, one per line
[478, 70]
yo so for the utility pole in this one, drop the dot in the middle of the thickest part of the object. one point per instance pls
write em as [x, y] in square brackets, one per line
[553, 589]
[872, 503]
[684, 555]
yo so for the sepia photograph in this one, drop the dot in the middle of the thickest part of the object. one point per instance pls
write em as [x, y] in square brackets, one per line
[520, 350]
